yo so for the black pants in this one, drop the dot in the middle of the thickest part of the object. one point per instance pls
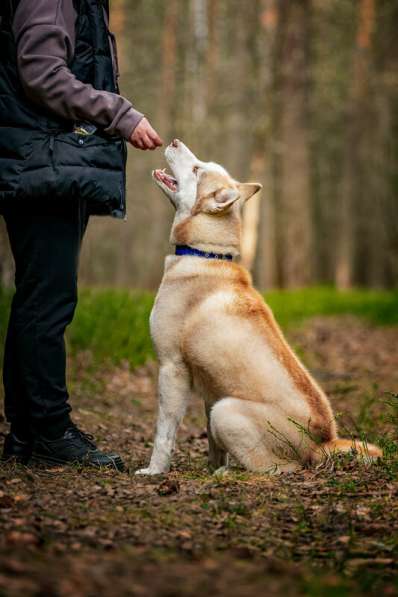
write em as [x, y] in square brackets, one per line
[45, 240]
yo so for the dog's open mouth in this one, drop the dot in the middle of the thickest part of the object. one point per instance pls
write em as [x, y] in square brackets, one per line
[166, 179]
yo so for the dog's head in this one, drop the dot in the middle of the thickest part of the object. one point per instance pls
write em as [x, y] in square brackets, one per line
[206, 198]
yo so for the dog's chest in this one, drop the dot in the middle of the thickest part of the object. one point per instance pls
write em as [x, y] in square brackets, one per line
[167, 319]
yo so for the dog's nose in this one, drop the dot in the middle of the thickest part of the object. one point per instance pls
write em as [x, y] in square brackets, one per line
[174, 143]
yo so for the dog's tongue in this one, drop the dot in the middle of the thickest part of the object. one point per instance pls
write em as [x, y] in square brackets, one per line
[168, 180]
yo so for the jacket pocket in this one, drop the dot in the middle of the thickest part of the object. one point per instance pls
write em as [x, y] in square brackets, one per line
[87, 151]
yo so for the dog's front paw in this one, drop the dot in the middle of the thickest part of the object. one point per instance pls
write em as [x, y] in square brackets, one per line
[148, 471]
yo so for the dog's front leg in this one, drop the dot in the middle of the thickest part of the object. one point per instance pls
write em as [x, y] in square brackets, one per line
[174, 393]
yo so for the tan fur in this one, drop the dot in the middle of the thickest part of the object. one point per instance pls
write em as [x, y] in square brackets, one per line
[208, 185]
[365, 450]
[191, 231]
[215, 336]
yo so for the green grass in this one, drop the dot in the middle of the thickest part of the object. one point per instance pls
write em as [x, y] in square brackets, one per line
[114, 324]
[292, 307]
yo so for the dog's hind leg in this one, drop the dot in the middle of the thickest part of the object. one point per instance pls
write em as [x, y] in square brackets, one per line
[174, 394]
[218, 457]
[246, 431]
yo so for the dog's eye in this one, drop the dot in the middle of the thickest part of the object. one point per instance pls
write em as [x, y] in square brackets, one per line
[195, 169]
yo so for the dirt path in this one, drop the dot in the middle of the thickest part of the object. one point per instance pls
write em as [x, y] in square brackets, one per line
[331, 531]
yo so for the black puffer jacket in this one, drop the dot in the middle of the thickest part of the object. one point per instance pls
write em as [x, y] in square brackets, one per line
[40, 154]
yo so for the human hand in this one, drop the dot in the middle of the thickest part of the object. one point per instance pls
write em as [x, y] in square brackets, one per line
[145, 137]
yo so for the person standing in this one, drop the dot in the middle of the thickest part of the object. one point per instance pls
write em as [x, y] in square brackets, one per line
[63, 133]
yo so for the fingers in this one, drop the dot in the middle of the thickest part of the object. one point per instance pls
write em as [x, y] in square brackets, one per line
[148, 143]
[157, 140]
[154, 136]
[137, 143]
[151, 140]
[145, 137]
[143, 142]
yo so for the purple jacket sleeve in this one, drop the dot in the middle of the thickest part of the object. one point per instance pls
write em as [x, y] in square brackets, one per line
[45, 35]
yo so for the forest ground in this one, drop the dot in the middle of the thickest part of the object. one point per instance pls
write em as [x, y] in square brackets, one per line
[328, 531]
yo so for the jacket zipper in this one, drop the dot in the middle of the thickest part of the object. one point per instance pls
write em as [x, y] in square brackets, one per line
[51, 148]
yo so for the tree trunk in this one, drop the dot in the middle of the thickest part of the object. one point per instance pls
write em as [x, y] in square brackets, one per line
[294, 243]
[353, 192]
[259, 216]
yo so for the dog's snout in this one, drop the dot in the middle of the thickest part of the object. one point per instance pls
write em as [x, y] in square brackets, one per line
[174, 143]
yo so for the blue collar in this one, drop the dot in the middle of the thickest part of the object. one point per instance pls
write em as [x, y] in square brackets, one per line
[185, 250]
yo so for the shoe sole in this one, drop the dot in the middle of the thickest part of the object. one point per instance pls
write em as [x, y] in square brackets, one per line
[39, 459]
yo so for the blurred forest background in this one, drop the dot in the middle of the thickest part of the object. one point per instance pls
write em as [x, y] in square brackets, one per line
[301, 95]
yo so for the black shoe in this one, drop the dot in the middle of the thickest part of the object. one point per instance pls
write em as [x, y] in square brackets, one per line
[16, 449]
[73, 447]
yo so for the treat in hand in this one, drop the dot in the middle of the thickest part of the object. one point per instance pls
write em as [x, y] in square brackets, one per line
[145, 137]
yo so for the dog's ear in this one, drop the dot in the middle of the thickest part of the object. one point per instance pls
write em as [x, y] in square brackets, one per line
[248, 189]
[219, 201]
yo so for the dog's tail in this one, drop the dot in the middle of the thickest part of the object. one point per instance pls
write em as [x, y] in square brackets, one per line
[363, 450]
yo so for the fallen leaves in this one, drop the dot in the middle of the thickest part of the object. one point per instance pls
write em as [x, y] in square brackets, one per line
[21, 538]
[168, 487]
[6, 501]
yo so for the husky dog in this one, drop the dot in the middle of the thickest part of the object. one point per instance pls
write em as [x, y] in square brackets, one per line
[215, 336]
